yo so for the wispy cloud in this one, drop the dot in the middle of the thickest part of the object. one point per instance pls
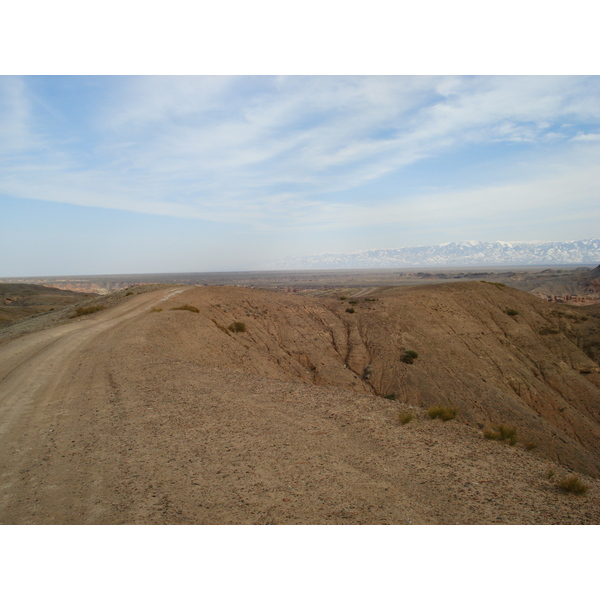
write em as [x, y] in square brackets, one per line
[292, 151]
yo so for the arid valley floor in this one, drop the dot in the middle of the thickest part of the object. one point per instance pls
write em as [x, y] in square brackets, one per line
[216, 404]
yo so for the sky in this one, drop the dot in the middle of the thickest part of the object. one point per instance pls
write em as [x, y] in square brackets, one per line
[142, 174]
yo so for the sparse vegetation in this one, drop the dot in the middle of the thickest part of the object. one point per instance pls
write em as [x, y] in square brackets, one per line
[409, 357]
[530, 445]
[350, 310]
[511, 312]
[501, 432]
[156, 309]
[187, 307]
[237, 327]
[405, 417]
[496, 283]
[550, 474]
[86, 310]
[573, 485]
[371, 299]
[343, 297]
[129, 293]
[548, 331]
[221, 327]
[352, 301]
[391, 396]
[443, 412]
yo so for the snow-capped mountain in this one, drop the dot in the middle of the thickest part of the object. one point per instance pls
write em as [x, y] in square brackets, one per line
[470, 253]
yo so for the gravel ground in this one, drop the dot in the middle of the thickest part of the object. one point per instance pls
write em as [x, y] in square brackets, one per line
[100, 424]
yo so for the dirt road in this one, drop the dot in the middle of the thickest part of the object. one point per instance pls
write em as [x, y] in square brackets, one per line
[99, 426]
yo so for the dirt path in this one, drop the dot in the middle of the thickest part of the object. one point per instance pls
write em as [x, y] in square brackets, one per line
[98, 426]
[38, 362]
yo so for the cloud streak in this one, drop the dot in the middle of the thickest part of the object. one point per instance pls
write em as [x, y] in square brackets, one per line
[312, 152]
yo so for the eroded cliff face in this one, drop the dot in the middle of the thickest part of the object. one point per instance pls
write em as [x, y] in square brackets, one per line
[500, 355]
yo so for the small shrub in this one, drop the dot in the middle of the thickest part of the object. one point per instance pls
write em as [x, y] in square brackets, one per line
[529, 445]
[445, 413]
[187, 307]
[511, 312]
[502, 433]
[86, 310]
[352, 301]
[237, 327]
[409, 357]
[371, 299]
[350, 310]
[156, 309]
[573, 485]
[391, 396]
[343, 297]
[405, 417]
[129, 293]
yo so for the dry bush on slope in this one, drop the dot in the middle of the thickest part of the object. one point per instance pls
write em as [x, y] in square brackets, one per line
[405, 417]
[445, 413]
[573, 485]
[502, 433]
[187, 307]
[86, 310]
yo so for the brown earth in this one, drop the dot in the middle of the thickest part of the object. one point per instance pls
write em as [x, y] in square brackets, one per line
[132, 415]
[18, 301]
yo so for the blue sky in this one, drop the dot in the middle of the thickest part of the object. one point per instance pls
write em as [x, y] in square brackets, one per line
[164, 174]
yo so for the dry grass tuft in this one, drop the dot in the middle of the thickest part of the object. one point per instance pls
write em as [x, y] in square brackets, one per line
[409, 357]
[223, 329]
[155, 309]
[405, 417]
[237, 327]
[501, 432]
[86, 310]
[573, 485]
[548, 331]
[445, 413]
[187, 307]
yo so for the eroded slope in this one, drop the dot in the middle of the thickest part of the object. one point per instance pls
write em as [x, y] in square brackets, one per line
[518, 369]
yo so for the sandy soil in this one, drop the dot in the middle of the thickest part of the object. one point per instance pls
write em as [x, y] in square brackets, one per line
[100, 423]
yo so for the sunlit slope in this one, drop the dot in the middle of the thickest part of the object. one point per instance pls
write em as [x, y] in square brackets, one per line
[19, 300]
[520, 369]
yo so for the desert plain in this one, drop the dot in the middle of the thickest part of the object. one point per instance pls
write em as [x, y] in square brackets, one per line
[166, 403]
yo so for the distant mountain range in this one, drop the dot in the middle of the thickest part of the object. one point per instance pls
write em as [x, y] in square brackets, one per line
[453, 254]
